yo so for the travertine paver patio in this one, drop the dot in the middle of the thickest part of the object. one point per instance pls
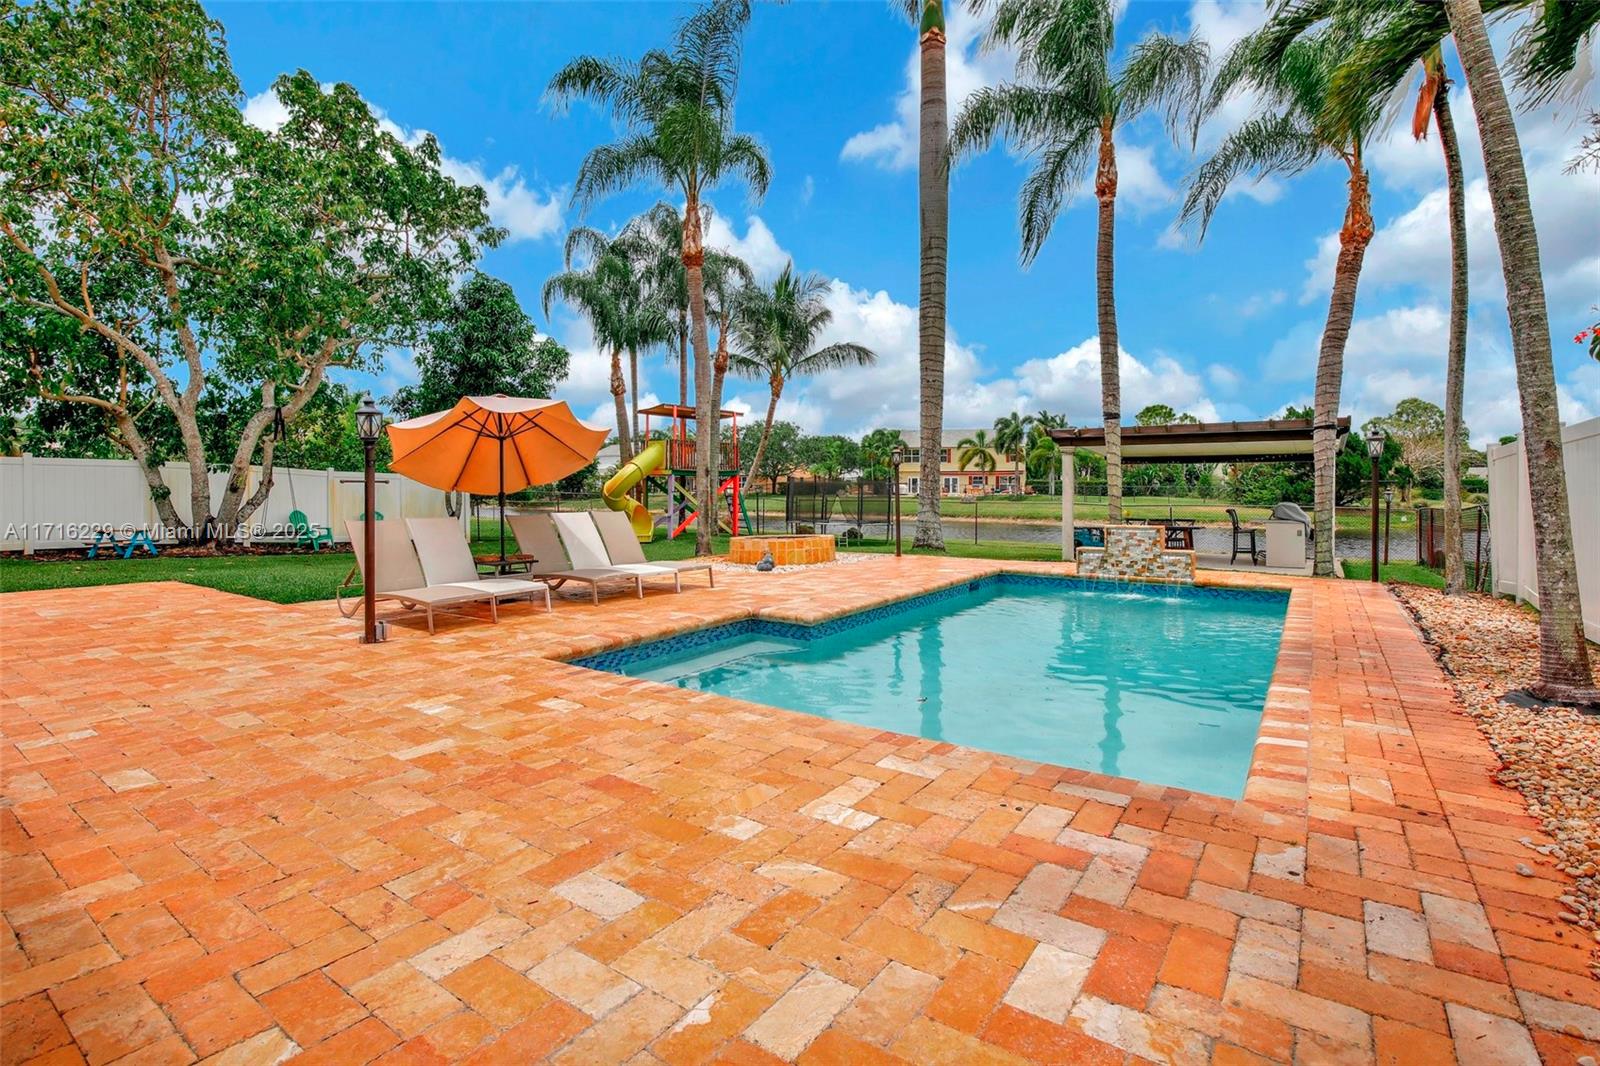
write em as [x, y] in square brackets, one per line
[232, 834]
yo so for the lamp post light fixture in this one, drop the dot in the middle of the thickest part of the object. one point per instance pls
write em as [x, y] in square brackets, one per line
[898, 456]
[1376, 439]
[1388, 512]
[369, 425]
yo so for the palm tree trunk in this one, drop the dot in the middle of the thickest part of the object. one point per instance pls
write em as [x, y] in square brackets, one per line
[933, 196]
[1564, 670]
[1354, 236]
[633, 373]
[683, 362]
[706, 425]
[719, 365]
[766, 431]
[1105, 191]
[619, 394]
[1456, 361]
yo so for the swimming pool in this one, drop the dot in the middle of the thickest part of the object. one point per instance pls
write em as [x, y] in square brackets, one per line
[1158, 683]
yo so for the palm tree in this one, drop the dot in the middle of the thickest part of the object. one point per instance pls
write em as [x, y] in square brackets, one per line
[1044, 454]
[656, 245]
[776, 329]
[877, 453]
[1433, 100]
[1011, 440]
[676, 110]
[933, 214]
[1564, 669]
[1546, 51]
[612, 296]
[977, 450]
[1065, 109]
[727, 279]
[1292, 75]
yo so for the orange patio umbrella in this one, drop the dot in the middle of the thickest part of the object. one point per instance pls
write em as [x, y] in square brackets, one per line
[494, 444]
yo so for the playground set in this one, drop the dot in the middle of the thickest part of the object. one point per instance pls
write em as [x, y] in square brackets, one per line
[666, 465]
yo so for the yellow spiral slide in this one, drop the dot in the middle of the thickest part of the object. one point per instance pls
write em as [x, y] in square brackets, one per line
[629, 474]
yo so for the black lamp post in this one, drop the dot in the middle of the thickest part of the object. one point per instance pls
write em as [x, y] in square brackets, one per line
[897, 457]
[369, 424]
[1375, 441]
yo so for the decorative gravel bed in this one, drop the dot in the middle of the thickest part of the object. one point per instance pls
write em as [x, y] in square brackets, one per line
[1489, 647]
[843, 558]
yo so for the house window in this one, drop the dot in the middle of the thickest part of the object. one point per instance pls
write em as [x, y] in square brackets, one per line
[952, 485]
[976, 481]
[913, 455]
[944, 455]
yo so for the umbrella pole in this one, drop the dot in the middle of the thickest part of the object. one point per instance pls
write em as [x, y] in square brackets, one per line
[502, 503]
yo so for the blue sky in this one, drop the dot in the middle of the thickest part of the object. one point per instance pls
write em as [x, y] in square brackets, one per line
[1226, 329]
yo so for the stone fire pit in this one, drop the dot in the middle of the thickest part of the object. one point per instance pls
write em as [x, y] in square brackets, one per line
[787, 549]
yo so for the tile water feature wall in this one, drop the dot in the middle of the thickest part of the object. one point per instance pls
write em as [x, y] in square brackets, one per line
[1135, 553]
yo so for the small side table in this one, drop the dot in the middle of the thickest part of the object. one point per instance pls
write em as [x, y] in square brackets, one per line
[519, 563]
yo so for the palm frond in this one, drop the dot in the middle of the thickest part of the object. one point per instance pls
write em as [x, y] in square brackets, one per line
[1166, 74]
[1267, 144]
[743, 155]
[1031, 116]
[584, 242]
[834, 357]
[610, 168]
[1550, 47]
[1058, 172]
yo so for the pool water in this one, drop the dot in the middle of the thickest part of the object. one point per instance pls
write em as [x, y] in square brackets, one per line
[1164, 685]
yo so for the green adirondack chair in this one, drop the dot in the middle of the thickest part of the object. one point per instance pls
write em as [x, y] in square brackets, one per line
[307, 534]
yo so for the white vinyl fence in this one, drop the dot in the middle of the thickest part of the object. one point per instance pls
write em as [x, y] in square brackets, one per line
[61, 503]
[1511, 519]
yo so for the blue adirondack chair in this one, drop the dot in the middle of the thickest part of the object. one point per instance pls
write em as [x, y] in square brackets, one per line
[307, 534]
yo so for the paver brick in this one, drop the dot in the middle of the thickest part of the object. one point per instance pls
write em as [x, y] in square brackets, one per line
[383, 856]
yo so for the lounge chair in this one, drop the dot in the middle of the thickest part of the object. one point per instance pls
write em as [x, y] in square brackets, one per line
[536, 536]
[622, 545]
[447, 560]
[1246, 536]
[581, 537]
[400, 574]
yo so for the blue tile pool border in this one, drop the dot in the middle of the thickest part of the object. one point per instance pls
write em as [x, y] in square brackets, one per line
[615, 660]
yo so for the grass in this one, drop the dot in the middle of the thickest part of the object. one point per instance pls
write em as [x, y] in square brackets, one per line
[302, 576]
[279, 578]
[1403, 573]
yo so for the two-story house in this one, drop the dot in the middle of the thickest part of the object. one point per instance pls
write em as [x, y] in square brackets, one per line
[975, 480]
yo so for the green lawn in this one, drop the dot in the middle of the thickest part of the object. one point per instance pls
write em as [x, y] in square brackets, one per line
[279, 578]
[1404, 573]
[302, 576]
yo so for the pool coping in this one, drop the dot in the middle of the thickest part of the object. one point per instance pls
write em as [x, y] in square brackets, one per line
[1279, 770]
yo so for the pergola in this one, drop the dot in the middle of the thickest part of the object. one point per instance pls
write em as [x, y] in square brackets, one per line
[1275, 440]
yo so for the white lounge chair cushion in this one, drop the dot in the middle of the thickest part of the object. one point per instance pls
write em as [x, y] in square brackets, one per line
[436, 595]
[504, 586]
[646, 569]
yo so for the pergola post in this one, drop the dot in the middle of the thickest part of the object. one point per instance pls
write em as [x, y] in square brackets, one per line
[1069, 489]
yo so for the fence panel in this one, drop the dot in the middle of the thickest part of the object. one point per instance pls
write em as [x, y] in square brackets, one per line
[58, 503]
[1511, 516]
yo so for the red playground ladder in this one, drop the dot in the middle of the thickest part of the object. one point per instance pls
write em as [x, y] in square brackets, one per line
[729, 486]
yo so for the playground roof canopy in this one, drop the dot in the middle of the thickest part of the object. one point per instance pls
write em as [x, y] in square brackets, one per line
[1274, 440]
[673, 410]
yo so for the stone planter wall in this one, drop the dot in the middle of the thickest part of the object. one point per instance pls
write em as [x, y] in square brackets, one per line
[786, 550]
[1135, 553]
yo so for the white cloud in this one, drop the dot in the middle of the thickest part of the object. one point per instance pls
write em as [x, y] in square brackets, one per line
[758, 247]
[522, 212]
[1413, 249]
[1400, 353]
[808, 189]
[893, 145]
